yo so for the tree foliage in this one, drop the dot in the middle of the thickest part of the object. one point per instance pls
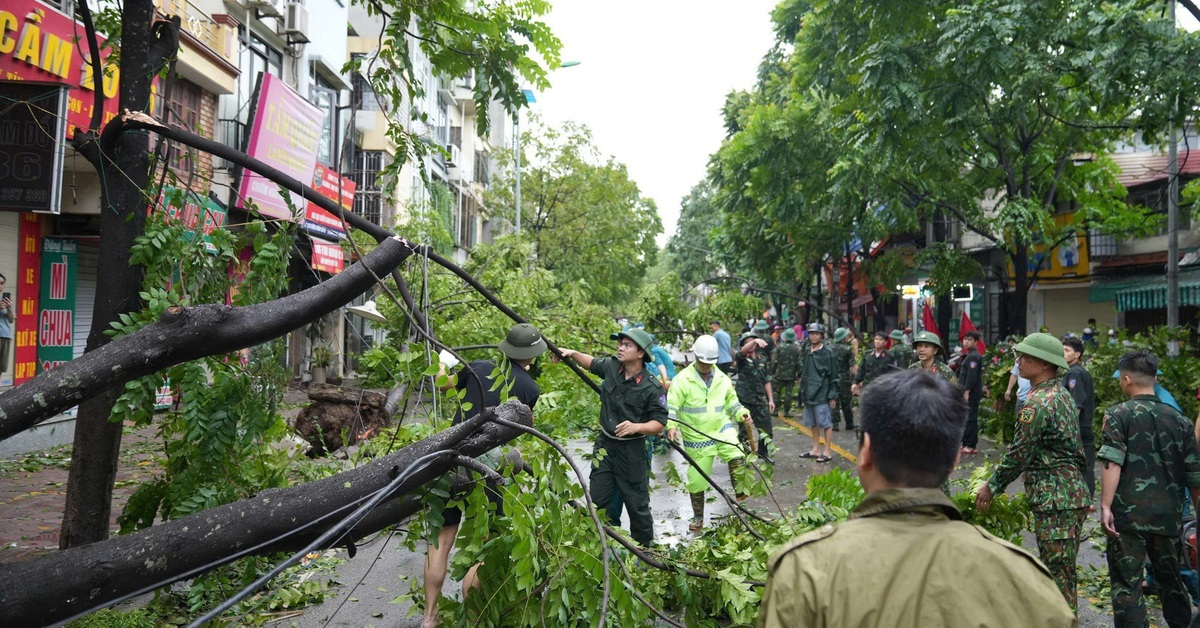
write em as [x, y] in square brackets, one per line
[889, 114]
[584, 215]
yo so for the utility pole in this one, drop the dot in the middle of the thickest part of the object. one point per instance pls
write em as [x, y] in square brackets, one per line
[1173, 219]
[517, 150]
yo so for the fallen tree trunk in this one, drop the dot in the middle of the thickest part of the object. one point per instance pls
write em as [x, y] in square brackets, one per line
[353, 396]
[58, 586]
[188, 333]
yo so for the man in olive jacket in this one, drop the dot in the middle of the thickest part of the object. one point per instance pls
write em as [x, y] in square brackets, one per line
[912, 425]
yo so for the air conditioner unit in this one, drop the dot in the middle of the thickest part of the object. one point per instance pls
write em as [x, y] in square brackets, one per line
[295, 25]
[267, 8]
[455, 157]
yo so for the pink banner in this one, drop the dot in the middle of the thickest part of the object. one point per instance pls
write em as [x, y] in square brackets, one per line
[38, 43]
[284, 134]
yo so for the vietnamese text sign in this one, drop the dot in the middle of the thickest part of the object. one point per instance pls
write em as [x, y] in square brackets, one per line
[56, 321]
[38, 43]
[28, 270]
[32, 131]
[283, 134]
[199, 215]
[334, 187]
[327, 257]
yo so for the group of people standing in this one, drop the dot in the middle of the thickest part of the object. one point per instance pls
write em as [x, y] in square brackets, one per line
[915, 422]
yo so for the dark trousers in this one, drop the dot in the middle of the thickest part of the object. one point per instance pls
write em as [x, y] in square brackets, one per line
[621, 476]
[846, 406]
[760, 414]
[785, 396]
[971, 434]
[1127, 558]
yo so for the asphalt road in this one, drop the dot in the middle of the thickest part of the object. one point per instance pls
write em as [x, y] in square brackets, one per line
[383, 571]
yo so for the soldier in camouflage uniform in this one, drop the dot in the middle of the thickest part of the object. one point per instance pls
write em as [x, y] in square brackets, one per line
[786, 371]
[902, 354]
[1149, 455]
[928, 346]
[874, 363]
[843, 357]
[763, 330]
[754, 384]
[1046, 447]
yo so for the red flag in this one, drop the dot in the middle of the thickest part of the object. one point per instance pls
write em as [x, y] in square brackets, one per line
[928, 323]
[967, 326]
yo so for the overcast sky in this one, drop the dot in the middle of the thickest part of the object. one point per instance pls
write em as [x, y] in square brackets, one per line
[652, 78]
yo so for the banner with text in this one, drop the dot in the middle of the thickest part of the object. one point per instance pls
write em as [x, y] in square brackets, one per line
[283, 134]
[38, 43]
[56, 321]
[32, 132]
[199, 215]
[29, 270]
[335, 187]
[327, 257]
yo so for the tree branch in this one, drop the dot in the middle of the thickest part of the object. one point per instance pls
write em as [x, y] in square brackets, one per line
[187, 333]
[54, 587]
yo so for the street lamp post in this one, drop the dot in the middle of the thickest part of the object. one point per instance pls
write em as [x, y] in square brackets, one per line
[529, 99]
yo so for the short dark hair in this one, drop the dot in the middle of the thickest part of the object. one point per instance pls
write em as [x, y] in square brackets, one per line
[717, 323]
[1142, 366]
[881, 334]
[916, 423]
[973, 335]
[1074, 343]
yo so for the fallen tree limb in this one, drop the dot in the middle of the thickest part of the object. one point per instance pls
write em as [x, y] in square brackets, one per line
[57, 586]
[187, 333]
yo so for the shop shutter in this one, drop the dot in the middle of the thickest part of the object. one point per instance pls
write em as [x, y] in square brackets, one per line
[85, 294]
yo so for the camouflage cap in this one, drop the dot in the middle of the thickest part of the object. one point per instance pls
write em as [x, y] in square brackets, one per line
[1044, 347]
[931, 338]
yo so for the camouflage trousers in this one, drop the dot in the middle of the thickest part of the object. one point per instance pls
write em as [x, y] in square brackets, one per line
[1058, 533]
[1127, 559]
[785, 396]
[846, 407]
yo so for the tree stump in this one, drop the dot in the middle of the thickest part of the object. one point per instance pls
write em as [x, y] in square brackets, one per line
[338, 417]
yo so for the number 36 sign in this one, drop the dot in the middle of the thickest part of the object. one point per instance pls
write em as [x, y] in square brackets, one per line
[32, 129]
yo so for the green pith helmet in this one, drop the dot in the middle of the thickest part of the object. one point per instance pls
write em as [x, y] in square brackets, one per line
[789, 335]
[761, 325]
[896, 335]
[1043, 347]
[640, 338]
[841, 334]
[524, 342]
[928, 337]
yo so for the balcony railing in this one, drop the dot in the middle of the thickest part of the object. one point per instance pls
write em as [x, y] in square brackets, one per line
[197, 23]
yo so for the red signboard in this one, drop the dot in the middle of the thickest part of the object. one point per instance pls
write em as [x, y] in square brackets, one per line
[38, 43]
[327, 257]
[29, 270]
[333, 186]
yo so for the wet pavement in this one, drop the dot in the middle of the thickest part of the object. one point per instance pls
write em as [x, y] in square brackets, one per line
[375, 584]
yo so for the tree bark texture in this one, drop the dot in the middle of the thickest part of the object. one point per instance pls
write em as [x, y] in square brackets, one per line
[57, 586]
[124, 176]
[183, 334]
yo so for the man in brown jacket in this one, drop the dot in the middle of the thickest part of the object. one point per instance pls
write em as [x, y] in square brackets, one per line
[912, 425]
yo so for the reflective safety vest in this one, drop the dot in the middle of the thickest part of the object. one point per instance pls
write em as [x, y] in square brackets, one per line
[712, 409]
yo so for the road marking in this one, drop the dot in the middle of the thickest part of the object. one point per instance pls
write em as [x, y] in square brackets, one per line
[836, 449]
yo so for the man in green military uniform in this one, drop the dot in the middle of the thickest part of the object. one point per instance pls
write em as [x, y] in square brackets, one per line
[1046, 447]
[1149, 455]
[876, 362]
[754, 387]
[763, 330]
[786, 371]
[911, 427]
[703, 408]
[843, 358]
[819, 392]
[902, 354]
[632, 406]
[928, 346]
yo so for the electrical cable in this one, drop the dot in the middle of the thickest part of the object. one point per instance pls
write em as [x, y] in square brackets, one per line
[322, 541]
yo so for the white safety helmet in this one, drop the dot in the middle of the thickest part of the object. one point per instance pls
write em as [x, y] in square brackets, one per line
[705, 349]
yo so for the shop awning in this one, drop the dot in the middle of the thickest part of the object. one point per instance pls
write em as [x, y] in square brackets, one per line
[1153, 295]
